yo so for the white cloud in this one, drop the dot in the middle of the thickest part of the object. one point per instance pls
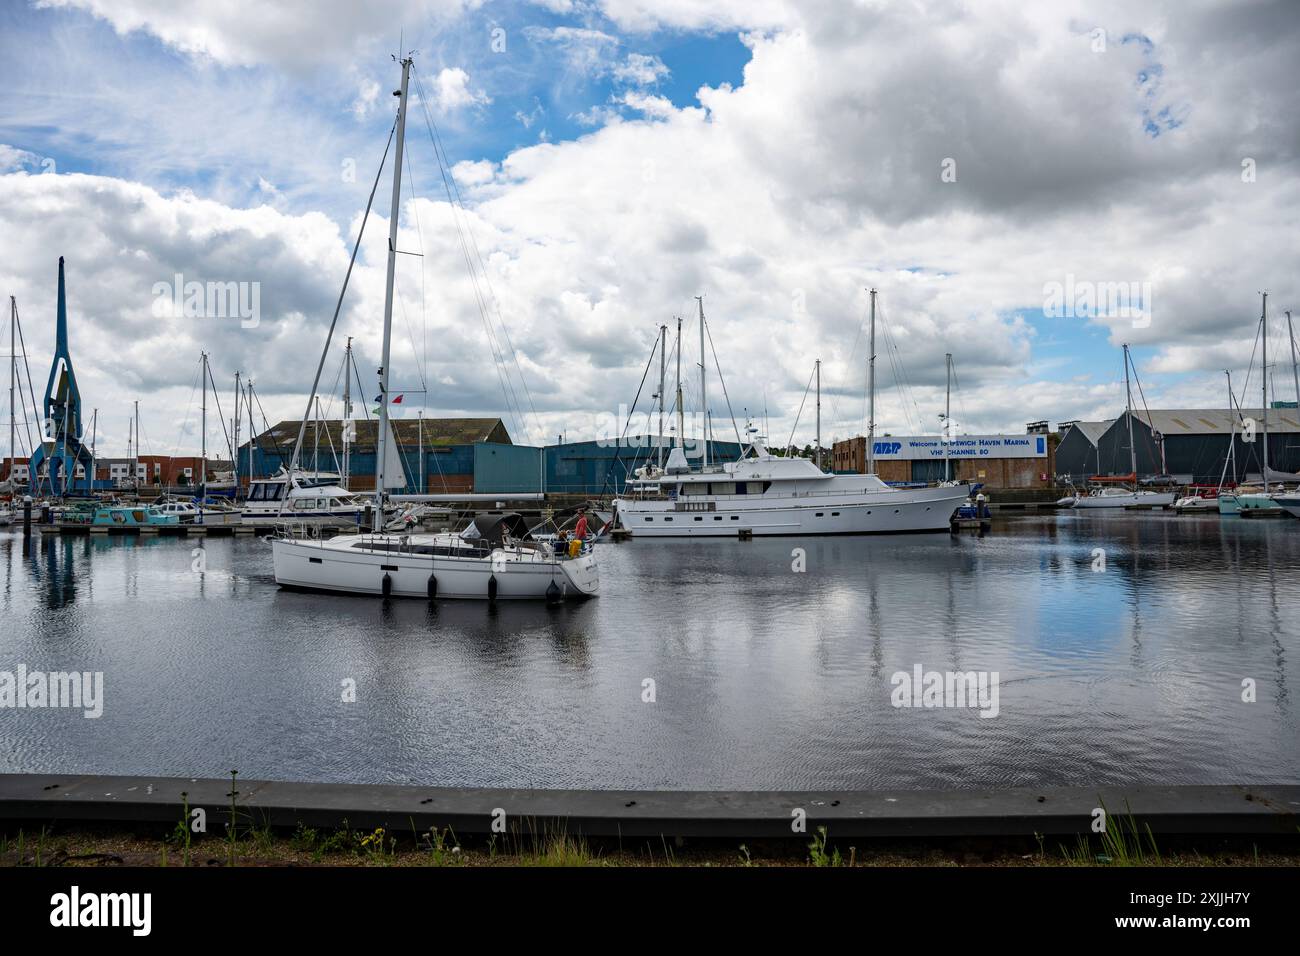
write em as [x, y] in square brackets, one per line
[296, 33]
[657, 107]
[13, 159]
[640, 70]
[587, 52]
[780, 199]
[367, 98]
[452, 91]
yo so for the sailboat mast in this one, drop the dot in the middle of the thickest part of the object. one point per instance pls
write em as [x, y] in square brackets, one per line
[203, 461]
[681, 412]
[1231, 457]
[1295, 366]
[315, 438]
[234, 429]
[381, 445]
[252, 432]
[135, 466]
[871, 390]
[1128, 414]
[13, 367]
[663, 361]
[1263, 335]
[347, 411]
[94, 435]
[947, 415]
[819, 414]
[704, 398]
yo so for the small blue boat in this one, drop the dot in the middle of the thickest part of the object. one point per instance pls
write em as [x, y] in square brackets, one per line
[132, 516]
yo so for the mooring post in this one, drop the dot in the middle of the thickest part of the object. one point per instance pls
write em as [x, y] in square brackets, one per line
[27, 516]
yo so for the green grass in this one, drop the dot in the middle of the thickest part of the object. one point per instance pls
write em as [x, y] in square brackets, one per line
[1123, 843]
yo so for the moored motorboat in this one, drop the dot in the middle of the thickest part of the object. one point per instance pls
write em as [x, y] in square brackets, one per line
[768, 495]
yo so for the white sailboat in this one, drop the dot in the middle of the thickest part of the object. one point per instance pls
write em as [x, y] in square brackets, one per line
[1115, 497]
[1262, 503]
[768, 495]
[493, 559]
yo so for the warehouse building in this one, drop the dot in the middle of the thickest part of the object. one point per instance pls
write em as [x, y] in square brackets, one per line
[998, 461]
[1192, 444]
[439, 455]
[460, 455]
[602, 467]
[1077, 454]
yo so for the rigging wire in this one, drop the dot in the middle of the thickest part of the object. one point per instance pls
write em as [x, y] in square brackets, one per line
[807, 389]
[457, 206]
[329, 337]
[709, 334]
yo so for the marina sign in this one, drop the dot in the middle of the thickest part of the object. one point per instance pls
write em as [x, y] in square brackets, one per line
[921, 447]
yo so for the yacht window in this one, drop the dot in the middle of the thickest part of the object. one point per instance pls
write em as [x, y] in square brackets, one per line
[698, 518]
[835, 514]
[717, 517]
[821, 514]
[668, 519]
[735, 517]
[723, 487]
[274, 492]
[649, 519]
[694, 488]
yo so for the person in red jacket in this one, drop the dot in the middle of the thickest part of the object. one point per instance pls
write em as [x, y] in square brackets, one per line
[580, 532]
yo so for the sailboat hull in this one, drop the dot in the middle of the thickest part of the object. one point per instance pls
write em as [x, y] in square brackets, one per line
[1128, 499]
[317, 566]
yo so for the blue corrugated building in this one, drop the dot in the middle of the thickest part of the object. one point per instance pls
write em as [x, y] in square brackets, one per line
[465, 455]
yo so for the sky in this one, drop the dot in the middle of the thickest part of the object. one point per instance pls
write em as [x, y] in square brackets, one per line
[1027, 186]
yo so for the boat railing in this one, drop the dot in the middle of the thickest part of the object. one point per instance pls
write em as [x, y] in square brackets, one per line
[765, 496]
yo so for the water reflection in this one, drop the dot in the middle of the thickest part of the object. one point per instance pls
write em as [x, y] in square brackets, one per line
[765, 677]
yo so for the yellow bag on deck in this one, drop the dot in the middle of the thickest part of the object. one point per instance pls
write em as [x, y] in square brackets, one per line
[575, 547]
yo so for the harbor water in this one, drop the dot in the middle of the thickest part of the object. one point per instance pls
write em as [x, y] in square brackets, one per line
[1128, 648]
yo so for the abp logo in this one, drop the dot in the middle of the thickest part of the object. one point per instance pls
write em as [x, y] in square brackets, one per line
[886, 447]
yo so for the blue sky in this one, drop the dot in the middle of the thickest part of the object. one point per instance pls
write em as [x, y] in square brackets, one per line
[106, 106]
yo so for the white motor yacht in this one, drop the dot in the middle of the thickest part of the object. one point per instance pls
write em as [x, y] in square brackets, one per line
[767, 495]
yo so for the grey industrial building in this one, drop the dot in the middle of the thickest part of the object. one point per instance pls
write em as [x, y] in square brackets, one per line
[1190, 444]
[1077, 455]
